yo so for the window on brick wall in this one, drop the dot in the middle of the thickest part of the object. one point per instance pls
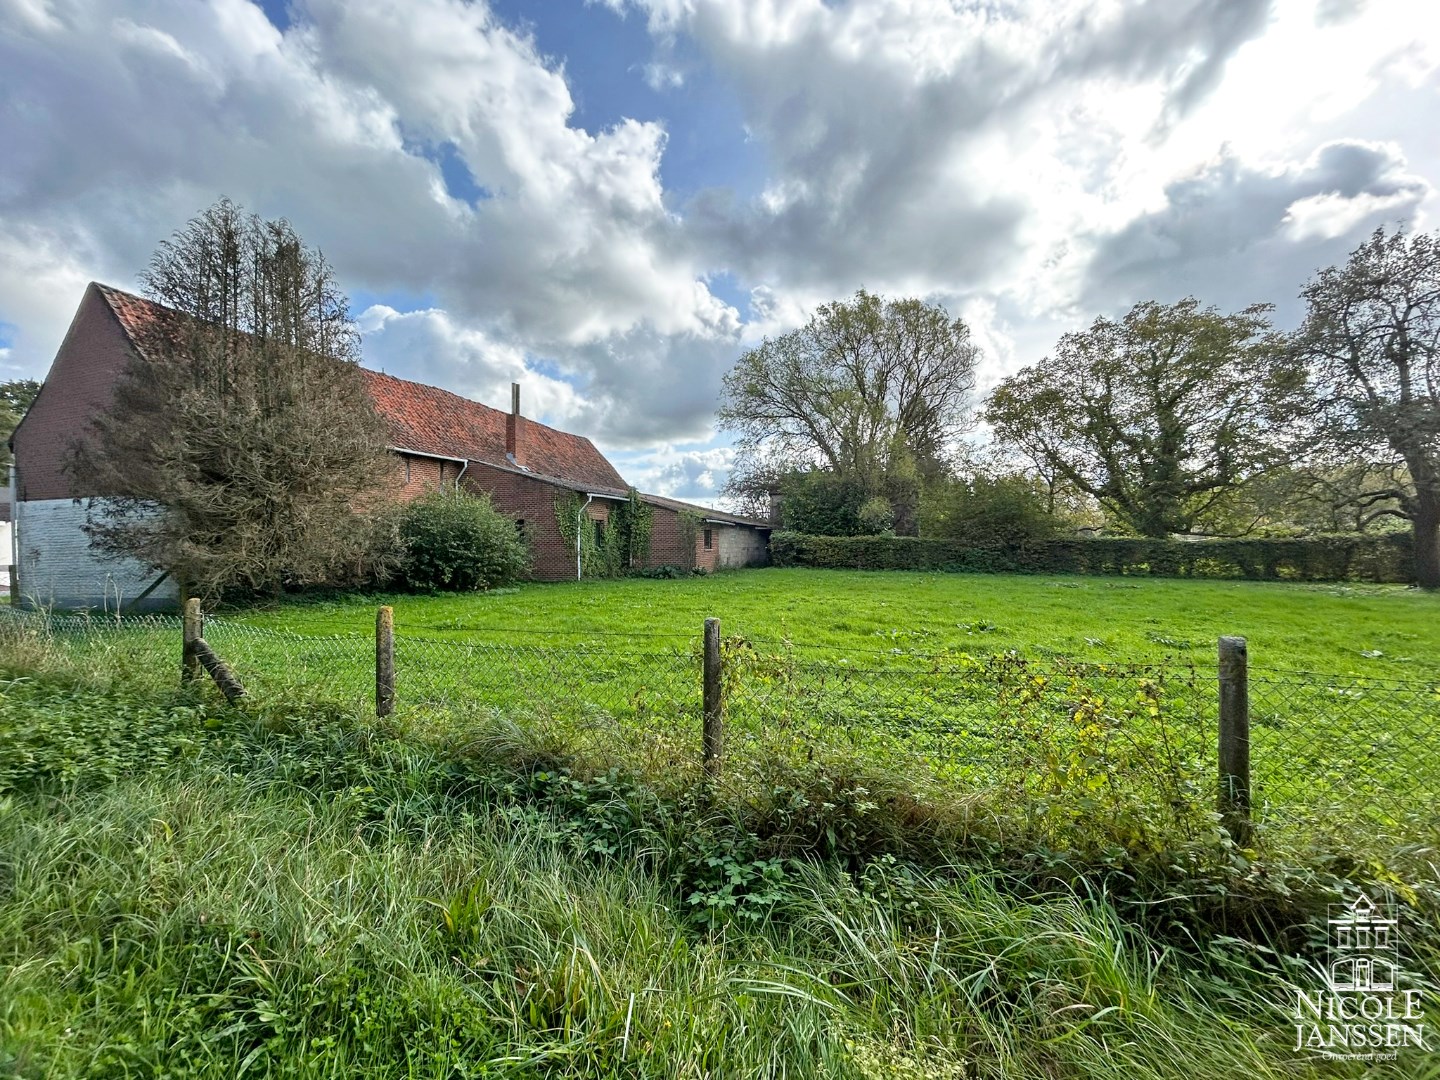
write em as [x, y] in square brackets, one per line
[599, 534]
[407, 470]
[520, 528]
[709, 539]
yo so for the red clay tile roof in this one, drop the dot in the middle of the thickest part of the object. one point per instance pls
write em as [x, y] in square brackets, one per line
[435, 421]
[135, 313]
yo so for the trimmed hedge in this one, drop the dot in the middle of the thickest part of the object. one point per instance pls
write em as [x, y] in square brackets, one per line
[1385, 558]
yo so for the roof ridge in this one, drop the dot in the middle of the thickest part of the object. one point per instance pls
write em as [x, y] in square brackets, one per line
[110, 292]
[471, 402]
[131, 311]
[449, 393]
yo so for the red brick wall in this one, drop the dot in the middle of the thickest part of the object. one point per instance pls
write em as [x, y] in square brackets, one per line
[416, 476]
[667, 546]
[667, 542]
[79, 385]
[533, 501]
[707, 558]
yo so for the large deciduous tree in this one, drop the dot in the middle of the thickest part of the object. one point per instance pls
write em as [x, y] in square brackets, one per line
[1371, 340]
[1157, 416]
[870, 390]
[241, 440]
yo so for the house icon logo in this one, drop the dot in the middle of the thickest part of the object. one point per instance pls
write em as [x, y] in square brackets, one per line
[1364, 949]
[1362, 1012]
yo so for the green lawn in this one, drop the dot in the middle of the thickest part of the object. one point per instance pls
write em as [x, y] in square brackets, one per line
[525, 872]
[1100, 688]
[1335, 629]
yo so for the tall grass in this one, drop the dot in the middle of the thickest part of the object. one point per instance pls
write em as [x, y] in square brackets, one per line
[192, 924]
[188, 890]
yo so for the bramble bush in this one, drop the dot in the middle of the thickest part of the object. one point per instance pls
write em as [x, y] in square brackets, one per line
[459, 542]
[1384, 558]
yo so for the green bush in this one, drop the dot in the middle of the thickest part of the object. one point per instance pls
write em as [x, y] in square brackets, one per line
[986, 511]
[1385, 558]
[876, 515]
[460, 542]
[823, 503]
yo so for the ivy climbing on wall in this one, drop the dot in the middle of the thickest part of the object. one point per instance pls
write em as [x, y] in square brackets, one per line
[622, 545]
[690, 523]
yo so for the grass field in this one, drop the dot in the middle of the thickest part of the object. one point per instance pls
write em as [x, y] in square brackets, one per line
[1383, 631]
[524, 874]
[900, 668]
[1098, 690]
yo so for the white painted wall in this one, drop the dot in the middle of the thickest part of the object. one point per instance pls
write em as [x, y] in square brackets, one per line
[4, 556]
[58, 568]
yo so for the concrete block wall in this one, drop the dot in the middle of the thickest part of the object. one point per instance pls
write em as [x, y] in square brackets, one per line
[730, 545]
[736, 545]
[57, 567]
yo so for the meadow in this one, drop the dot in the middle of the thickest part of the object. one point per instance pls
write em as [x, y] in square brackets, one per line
[952, 836]
[1030, 684]
[1375, 630]
[290, 891]
[1084, 699]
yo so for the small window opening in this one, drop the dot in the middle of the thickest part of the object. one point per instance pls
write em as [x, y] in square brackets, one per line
[708, 539]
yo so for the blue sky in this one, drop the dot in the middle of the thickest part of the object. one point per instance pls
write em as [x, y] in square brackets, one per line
[610, 202]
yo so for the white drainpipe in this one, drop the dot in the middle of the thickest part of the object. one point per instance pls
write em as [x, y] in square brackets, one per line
[578, 518]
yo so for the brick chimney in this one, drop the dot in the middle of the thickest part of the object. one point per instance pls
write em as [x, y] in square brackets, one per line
[515, 428]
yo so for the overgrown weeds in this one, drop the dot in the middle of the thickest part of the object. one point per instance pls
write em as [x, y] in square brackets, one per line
[288, 889]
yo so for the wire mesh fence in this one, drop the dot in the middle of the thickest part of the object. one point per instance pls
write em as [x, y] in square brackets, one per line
[136, 643]
[1069, 740]
[1345, 753]
[334, 667]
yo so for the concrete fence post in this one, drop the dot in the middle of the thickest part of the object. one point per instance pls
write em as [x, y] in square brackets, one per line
[1235, 738]
[192, 629]
[714, 699]
[385, 661]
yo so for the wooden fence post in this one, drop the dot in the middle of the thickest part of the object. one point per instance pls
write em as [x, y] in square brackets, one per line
[192, 629]
[385, 661]
[219, 670]
[714, 701]
[1235, 738]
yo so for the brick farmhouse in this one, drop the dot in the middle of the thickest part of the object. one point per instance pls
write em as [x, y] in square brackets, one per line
[436, 440]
